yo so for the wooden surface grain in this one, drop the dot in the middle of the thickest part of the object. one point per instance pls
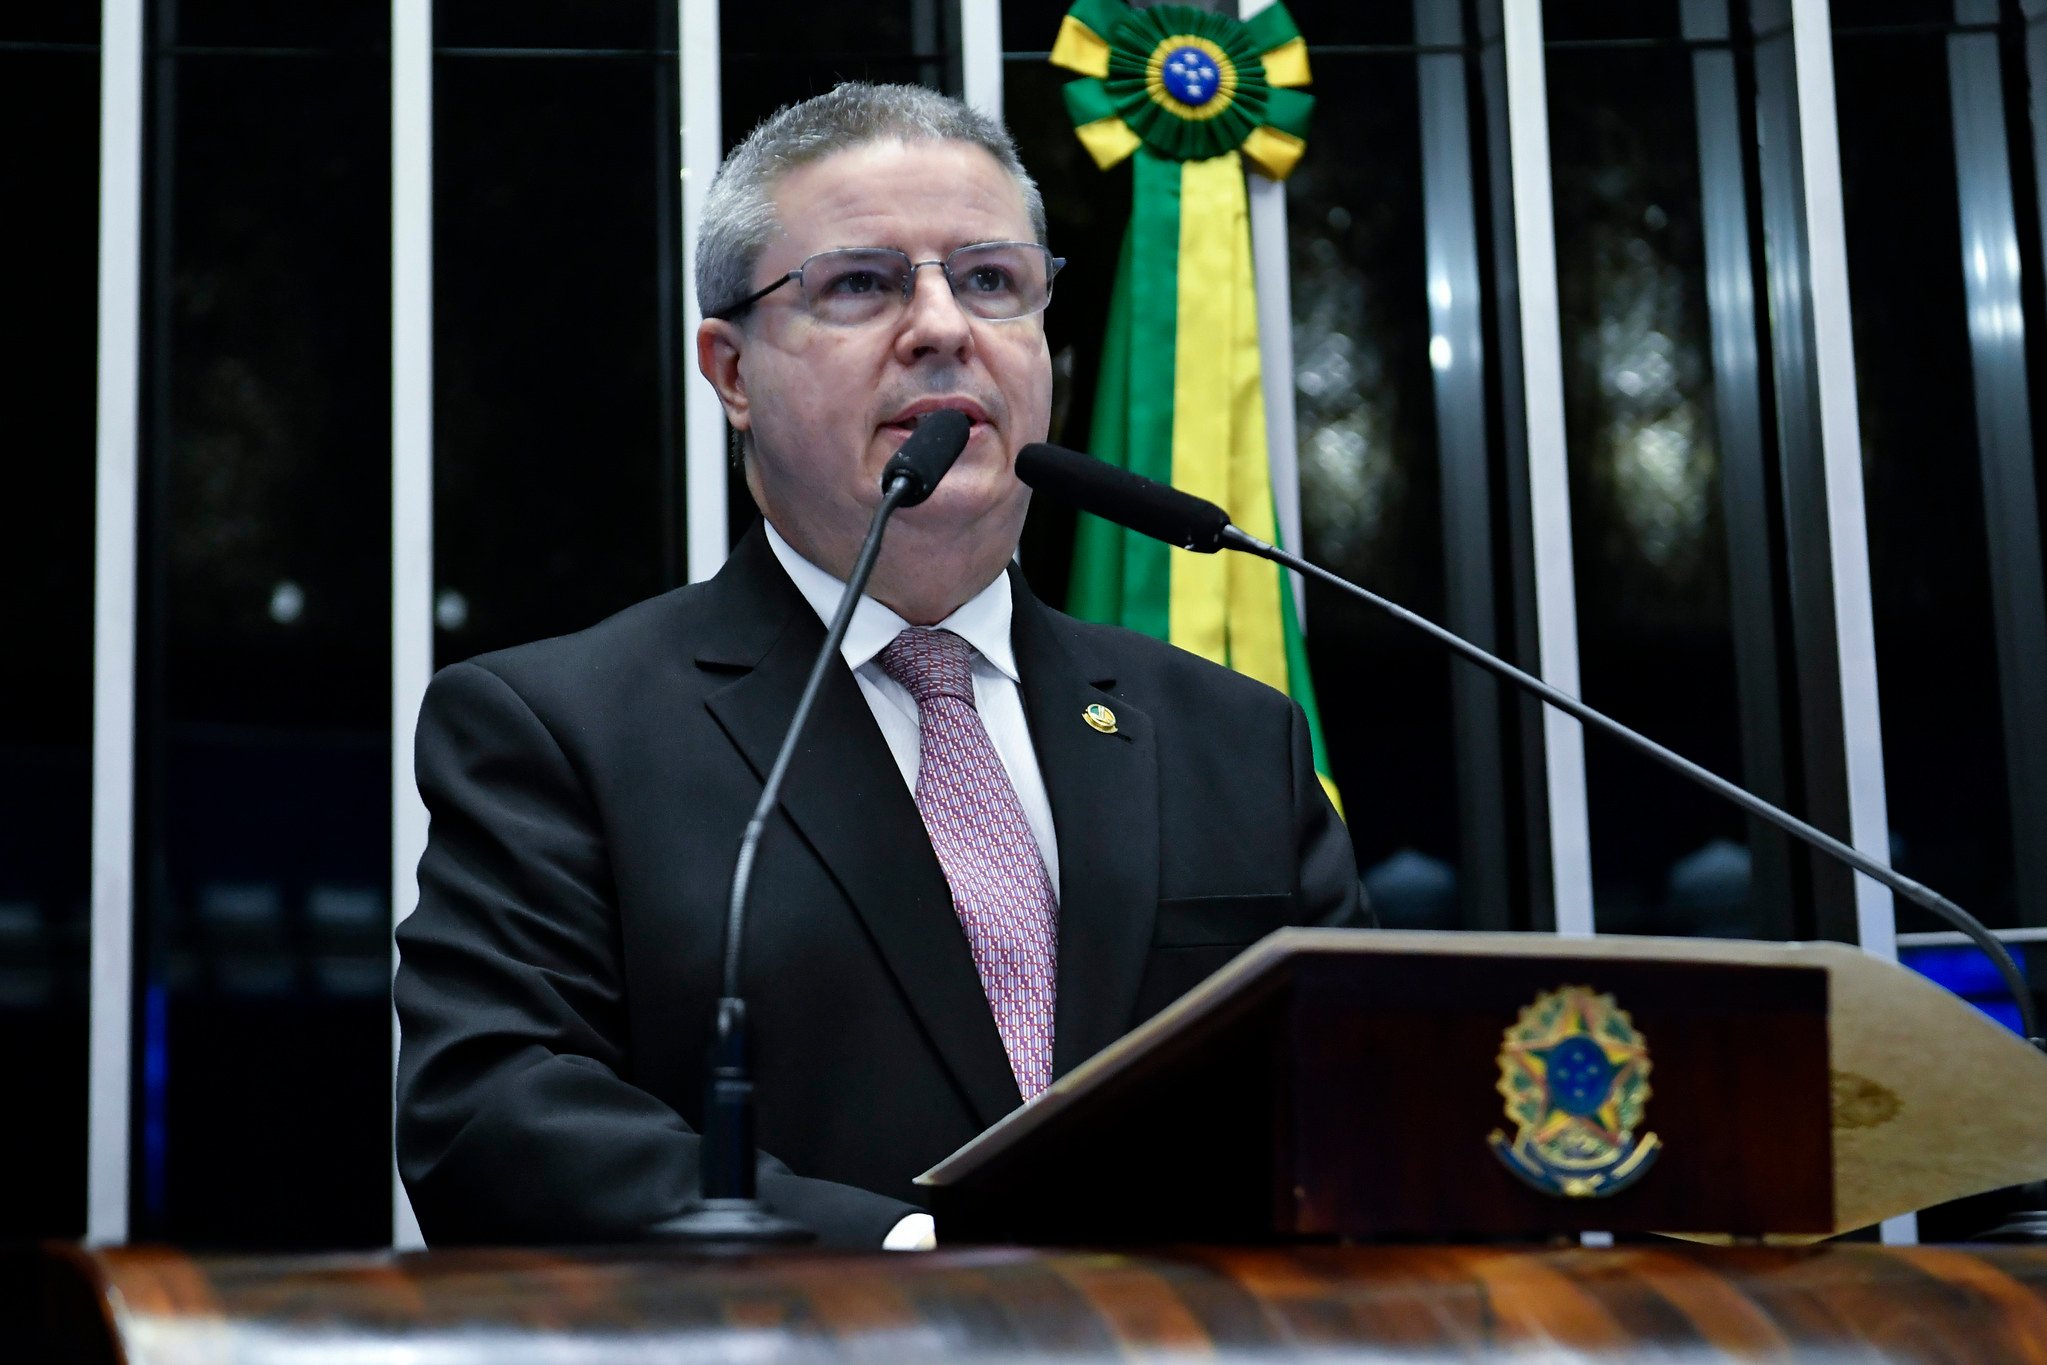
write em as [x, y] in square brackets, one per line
[1414, 1303]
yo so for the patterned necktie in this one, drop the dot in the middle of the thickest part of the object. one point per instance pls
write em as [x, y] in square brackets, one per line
[999, 887]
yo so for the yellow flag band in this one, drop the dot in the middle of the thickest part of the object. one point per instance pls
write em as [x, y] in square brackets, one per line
[1080, 48]
[1273, 153]
[1329, 789]
[1108, 140]
[1286, 64]
[1222, 607]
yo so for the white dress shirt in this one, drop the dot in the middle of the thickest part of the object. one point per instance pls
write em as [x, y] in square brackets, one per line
[982, 622]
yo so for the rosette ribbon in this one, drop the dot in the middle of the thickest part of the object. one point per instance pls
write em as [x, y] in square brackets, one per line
[1185, 84]
[1189, 98]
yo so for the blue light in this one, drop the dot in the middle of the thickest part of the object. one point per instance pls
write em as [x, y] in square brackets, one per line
[156, 1078]
[2004, 1012]
[1968, 971]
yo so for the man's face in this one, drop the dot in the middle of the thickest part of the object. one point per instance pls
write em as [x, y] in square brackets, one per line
[826, 405]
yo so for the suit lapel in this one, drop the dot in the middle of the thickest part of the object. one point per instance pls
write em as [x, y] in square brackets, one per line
[846, 799]
[1105, 810]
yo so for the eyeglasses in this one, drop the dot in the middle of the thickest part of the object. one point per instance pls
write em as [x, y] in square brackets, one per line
[993, 280]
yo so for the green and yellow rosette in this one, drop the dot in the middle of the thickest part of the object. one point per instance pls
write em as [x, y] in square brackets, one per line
[1189, 98]
[1186, 85]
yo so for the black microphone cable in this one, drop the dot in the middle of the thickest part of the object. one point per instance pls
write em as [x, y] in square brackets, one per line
[1179, 518]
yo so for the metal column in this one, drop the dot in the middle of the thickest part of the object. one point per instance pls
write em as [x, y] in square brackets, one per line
[1744, 479]
[1457, 363]
[1549, 501]
[2004, 434]
[704, 485]
[110, 1045]
[412, 469]
[980, 30]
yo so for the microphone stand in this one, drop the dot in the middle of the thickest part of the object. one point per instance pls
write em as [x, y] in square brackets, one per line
[729, 1211]
[1913, 891]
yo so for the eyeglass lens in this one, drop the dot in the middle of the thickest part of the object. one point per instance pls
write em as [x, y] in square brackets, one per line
[993, 280]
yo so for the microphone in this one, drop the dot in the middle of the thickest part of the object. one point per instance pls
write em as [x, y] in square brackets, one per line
[923, 460]
[1179, 518]
[1158, 510]
[729, 1210]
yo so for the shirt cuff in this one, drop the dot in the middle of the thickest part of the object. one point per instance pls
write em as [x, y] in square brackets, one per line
[917, 1232]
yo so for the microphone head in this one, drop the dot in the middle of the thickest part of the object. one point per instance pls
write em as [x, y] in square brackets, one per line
[1145, 505]
[936, 442]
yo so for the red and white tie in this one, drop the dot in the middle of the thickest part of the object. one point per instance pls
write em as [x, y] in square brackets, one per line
[1000, 889]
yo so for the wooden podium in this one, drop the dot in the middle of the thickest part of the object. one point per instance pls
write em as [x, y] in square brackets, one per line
[1004, 1306]
[1360, 1086]
[1327, 1086]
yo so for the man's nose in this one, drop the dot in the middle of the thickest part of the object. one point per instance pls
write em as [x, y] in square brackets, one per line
[934, 319]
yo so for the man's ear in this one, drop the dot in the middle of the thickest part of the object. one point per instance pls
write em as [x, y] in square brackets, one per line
[718, 347]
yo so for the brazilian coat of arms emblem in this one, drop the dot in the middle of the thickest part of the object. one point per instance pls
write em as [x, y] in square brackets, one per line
[1575, 1075]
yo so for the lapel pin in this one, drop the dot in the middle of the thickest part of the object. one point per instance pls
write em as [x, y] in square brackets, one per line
[1101, 717]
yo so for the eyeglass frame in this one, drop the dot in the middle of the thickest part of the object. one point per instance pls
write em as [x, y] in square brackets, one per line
[1056, 264]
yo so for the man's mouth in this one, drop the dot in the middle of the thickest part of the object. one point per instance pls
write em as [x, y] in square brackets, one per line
[906, 421]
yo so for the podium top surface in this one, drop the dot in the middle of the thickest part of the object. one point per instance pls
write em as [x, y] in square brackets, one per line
[1931, 1099]
[153, 1306]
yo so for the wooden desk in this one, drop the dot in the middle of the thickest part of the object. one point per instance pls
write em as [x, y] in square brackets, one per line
[155, 1307]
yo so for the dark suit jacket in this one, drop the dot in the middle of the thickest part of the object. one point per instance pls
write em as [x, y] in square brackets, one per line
[557, 980]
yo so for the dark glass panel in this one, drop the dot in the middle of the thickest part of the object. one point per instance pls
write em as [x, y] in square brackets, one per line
[276, 23]
[1581, 20]
[42, 23]
[263, 1096]
[1943, 739]
[1655, 631]
[49, 119]
[821, 34]
[1086, 210]
[1893, 13]
[774, 56]
[1034, 26]
[1371, 481]
[1346, 22]
[1031, 26]
[555, 243]
[553, 23]
[756, 86]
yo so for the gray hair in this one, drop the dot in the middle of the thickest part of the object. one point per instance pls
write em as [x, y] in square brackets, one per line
[739, 211]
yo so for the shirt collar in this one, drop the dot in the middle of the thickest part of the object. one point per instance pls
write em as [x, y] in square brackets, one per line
[982, 621]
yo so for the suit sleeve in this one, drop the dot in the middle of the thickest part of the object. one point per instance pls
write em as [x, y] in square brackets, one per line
[1330, 893]
[515, 1121]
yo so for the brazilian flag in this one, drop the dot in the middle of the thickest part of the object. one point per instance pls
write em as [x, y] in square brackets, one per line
[1189, 98]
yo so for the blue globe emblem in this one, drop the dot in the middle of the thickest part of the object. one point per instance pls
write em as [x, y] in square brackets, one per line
[1190, 76]
[1580, 1076]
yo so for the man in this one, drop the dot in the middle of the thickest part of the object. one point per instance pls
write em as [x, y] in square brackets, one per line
[1009, 836]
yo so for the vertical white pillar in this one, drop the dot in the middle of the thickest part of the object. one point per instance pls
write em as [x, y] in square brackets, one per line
[1556, 607]
[1819, 159]
[1271, 270]
[703, 147]
[412, 466]
[981, 55]
[1841, 453]
[116, 497]
[1271, 273]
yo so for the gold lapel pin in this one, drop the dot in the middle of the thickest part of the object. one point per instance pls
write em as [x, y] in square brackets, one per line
[1101, 717]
